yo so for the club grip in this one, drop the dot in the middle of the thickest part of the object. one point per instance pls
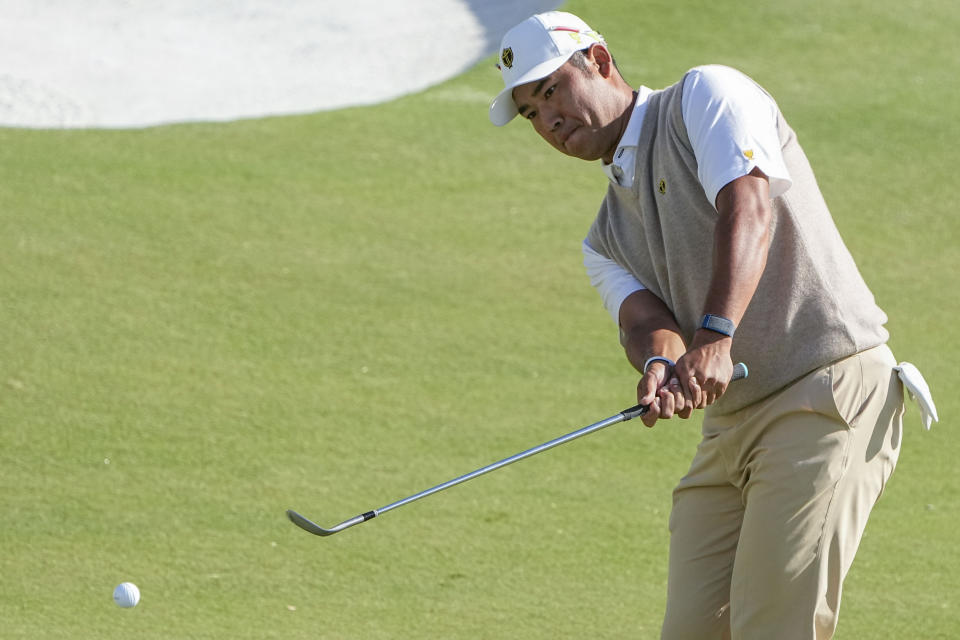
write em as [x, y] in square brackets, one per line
[740, 372]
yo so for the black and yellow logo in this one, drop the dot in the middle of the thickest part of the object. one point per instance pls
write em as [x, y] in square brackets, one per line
[662, 187]
[506, 56]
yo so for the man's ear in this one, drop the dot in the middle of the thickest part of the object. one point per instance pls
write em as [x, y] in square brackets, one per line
[600, 56]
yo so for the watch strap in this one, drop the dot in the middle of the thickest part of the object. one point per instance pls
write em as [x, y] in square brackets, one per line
[663, 359]
[718, 324]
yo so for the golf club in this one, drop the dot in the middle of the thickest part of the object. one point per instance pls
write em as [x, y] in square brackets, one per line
[739, 372]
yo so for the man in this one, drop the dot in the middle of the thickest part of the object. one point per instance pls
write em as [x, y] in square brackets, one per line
[713, 245]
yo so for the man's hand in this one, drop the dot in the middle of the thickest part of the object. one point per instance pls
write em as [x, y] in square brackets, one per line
[704, 371]
[661, 389]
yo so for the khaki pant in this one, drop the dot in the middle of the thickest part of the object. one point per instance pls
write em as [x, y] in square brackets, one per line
[766, 522]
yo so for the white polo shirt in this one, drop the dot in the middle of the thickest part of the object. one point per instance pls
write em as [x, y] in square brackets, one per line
[732, 126]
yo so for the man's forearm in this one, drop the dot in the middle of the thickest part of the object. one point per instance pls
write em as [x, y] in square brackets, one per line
[649, 329]
[642, 344]
[741, 243]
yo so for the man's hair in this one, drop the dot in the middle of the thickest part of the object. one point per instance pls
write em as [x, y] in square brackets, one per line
[579, 60]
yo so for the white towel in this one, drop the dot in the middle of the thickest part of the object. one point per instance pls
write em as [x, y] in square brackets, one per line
[918, 391]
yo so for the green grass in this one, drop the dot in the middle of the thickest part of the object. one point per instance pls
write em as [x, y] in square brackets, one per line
[207, 324]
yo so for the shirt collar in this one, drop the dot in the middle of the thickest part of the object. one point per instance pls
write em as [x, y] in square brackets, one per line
[631, 135]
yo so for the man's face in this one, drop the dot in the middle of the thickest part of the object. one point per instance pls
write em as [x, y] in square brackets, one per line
[572, 109]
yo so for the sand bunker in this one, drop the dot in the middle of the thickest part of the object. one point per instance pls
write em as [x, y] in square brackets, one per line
[123, 63]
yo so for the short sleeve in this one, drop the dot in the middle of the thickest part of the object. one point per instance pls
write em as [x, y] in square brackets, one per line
[732, 126]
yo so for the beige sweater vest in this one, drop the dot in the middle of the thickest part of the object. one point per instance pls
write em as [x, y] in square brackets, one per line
[812, 306]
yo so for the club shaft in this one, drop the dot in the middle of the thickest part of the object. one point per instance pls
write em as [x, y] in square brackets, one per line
[740, 371]
[573, 435]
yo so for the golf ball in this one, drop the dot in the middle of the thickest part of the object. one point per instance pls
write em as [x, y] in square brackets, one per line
[126, 595]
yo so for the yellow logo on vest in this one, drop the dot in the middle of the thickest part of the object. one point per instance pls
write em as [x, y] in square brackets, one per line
[748, 154]
[662, 187]
[507, 57]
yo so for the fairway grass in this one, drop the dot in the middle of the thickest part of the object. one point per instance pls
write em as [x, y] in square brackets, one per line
[205, 325]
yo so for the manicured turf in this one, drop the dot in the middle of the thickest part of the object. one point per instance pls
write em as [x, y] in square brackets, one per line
[205, 325]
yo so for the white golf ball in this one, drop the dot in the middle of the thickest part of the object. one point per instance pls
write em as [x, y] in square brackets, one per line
[126, 595]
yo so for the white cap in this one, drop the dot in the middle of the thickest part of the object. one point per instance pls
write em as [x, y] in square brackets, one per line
[534, 49]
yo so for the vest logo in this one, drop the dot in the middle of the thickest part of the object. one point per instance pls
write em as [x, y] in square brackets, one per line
[507, 57]
[748, 154]
[662, 187]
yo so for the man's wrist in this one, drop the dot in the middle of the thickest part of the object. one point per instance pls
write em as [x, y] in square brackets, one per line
[668, 363]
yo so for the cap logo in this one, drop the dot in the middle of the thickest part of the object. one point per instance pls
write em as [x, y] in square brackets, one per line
[577, 34]
[507, 57]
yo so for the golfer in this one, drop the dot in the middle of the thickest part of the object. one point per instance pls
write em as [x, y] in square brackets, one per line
[713, 245]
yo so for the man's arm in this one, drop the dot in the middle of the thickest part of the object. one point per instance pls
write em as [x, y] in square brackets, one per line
[650, 330]
[741, 242]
